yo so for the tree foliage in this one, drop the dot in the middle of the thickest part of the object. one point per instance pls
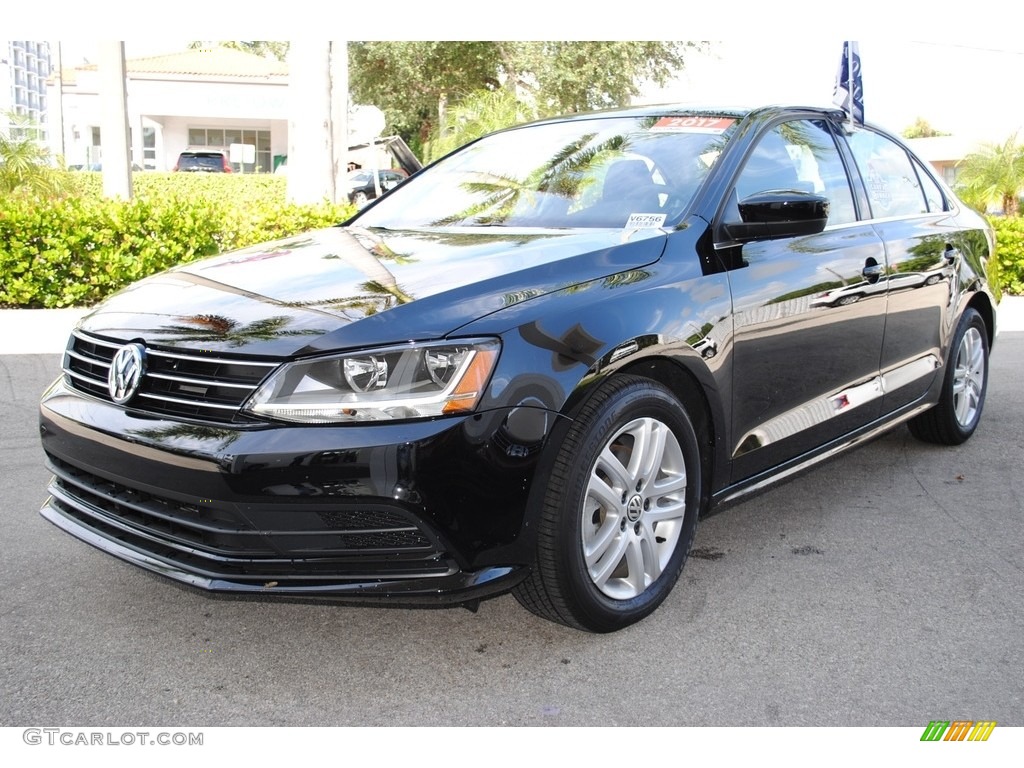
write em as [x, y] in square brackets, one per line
[415, 82]
[25, 163]
[271, 49]
[478, 113]
[412, 81]
[576, 76]
[922, 129]
[996, 171]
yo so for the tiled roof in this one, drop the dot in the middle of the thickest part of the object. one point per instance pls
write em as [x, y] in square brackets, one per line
[210, 61]
[199, 62]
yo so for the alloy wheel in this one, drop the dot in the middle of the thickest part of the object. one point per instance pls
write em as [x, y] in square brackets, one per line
[633, 509]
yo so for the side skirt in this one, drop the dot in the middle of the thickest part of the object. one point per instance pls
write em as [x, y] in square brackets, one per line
[759, 483]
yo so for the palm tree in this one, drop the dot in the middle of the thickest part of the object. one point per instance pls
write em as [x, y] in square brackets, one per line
[25, 166]
[996, 170]
[480, 112]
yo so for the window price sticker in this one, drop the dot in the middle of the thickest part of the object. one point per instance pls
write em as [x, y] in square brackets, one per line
[645, 220]
[692, 124]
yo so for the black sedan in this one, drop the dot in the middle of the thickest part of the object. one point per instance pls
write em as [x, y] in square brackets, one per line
[530, 368]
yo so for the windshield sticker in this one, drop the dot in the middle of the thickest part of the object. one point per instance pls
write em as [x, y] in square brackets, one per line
[645, 220]
[693, 124]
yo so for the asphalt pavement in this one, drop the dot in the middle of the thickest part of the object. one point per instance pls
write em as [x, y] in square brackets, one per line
[883, 588]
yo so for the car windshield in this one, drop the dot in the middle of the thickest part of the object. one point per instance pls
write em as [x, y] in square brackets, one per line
[601, 172]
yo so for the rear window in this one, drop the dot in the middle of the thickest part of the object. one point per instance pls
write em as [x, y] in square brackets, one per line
[208, 160]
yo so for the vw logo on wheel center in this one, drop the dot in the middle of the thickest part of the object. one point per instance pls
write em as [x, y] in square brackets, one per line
[634, 509]
[126, 372]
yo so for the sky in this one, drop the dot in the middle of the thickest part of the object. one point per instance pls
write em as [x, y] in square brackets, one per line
[941, 61]
[957, 87]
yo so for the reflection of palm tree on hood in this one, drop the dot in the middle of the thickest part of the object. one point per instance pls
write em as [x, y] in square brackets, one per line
[269, 252]
[353, 252]
[206, 328]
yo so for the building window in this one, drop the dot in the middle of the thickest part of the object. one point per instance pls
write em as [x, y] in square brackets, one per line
[223, 138]
[148, 147]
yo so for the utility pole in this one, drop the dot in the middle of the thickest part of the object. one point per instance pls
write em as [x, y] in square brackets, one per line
[339, 117]
[117, 176]
[317, 125]
[55, 106]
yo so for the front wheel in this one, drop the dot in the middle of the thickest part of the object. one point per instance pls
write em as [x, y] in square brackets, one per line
[620, 512]
[955, 417]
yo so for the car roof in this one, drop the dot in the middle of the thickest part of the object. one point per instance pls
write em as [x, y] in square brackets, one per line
[680, 109]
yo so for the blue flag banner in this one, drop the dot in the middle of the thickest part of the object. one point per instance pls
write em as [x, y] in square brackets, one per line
[849, 92]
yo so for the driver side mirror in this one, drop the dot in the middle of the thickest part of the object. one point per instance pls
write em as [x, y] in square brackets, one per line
[777, 214]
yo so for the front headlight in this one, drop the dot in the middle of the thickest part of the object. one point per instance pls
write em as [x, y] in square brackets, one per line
[412, 381]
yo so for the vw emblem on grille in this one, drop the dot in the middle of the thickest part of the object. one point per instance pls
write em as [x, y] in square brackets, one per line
[126, 372]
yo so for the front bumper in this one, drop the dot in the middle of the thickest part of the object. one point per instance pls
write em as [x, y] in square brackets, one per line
[419, 513]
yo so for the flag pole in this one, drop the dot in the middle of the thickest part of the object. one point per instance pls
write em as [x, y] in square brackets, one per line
[849, 84]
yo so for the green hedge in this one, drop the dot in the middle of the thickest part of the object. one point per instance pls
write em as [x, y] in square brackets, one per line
[1009, 261]
[76, 250]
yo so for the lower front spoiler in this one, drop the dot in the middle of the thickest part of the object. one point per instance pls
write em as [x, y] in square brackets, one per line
[444, 590]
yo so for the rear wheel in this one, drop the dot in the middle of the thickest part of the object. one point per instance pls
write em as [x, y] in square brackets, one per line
[620, 512]
[955, 417]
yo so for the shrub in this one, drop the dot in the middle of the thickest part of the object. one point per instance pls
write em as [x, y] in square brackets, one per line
[78, 249]
[1009, 261]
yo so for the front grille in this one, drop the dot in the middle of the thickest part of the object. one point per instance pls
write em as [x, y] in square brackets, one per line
[286, 542]
[192, 385]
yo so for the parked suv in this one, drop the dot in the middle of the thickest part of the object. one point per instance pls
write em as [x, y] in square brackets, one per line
[361, 189]
[203, 162]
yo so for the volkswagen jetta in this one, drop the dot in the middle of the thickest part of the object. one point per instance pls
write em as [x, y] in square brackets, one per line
[530, 367]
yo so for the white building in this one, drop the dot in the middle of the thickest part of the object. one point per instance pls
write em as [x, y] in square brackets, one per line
[24, 67]
[204, 98]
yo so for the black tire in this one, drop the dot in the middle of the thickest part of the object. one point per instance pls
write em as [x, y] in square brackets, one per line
[955, 417]
[359, 199]
[637, 537]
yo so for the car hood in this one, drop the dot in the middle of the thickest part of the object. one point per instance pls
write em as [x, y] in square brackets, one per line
[350, 287]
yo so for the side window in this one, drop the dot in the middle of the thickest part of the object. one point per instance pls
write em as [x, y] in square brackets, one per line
[932, 194]
[891, 180]
[799, 155]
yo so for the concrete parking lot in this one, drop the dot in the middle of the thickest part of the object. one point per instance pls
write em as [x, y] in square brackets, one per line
[883, 588]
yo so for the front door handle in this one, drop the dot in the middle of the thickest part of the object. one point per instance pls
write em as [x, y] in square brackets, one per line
[872, 271]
